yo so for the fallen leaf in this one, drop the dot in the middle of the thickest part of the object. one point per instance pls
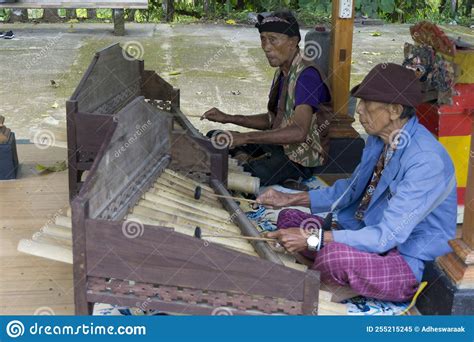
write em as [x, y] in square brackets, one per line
[174, 73]
[57, 167]
[376, 34]
[55, 105]
[230, 22]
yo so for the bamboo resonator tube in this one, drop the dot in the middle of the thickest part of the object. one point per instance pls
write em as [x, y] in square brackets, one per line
[243, 183]
[169, 203]
[53, 241]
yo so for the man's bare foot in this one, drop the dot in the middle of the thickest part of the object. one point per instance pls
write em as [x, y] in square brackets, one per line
[338, 293]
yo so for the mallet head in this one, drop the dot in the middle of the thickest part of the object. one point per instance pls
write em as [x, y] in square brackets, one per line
[197, 192]
[197, 232]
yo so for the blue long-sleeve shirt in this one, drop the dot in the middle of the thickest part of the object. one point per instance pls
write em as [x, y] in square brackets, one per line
[414, 204]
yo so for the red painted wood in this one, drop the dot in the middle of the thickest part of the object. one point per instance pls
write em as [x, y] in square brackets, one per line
[454, 120]
[461, 195]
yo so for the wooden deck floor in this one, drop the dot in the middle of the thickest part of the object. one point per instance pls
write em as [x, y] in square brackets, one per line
[28, 283]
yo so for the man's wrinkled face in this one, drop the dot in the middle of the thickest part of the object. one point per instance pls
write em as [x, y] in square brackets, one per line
[373, 116]
[278, 47]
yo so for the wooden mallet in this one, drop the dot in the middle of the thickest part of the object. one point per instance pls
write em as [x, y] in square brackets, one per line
[198, 193]
[198, 234]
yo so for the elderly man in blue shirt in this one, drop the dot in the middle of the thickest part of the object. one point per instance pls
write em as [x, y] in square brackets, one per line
[396, 211]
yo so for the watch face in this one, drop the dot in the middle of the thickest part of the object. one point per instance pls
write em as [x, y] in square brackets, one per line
[313, 241]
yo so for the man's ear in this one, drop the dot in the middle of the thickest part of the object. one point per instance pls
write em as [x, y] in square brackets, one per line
[395, 111]
[294, 42]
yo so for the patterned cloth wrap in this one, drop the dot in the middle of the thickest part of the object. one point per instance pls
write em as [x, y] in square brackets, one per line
[362, 306]
[259, 217]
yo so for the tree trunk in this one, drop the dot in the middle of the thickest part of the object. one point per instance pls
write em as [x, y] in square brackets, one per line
[119, 21]
[17, 15]
[294, 4]
[454, 7]
[51, 15]
[206, 8]
[130, 14]
[468, 11]
[71, 13]
[168, 10]
[442, 5]
[91, 13]
[240, 4]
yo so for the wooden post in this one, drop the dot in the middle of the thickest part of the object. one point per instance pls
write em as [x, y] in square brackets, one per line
[340, 72]
[80, 211]
[91, 13]
[131, 15]
[71, 13]
[119, 22]
[459, 265]
[206, 8]
[168, 10]
[51, 15]
[18, 15]
[450, 279]
[468, 224]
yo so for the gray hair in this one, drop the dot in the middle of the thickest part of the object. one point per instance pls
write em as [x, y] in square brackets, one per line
[408, 112]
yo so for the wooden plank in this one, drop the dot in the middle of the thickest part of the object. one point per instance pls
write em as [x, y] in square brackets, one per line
[311, 293]
[155, 87]
[27, 204]
[79, 213]
[112, 80]
[331, 309]
[130, 159]
[27, 309]
[162, 257]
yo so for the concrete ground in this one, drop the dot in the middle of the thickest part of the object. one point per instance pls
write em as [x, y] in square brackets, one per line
[213, 65]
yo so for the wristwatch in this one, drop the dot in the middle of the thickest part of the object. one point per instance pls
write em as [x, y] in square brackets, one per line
[315, 241]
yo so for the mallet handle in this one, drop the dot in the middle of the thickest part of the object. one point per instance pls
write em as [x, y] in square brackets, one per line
[235, 198]
[241, 237]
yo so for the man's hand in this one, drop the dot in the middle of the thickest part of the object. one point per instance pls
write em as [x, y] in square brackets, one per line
[215, 115]
[293, 239]
[274, 199]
